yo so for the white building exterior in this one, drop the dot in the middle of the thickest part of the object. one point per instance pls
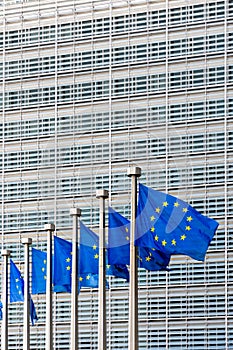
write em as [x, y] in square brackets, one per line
[89, 88]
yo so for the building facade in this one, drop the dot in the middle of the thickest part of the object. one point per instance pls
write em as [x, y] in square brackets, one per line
[89, 88]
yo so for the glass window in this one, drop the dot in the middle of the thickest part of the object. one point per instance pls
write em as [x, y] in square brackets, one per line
[198, 12]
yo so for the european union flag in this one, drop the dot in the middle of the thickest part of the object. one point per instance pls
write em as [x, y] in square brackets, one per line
[172, 226]
[89, 255]
[63, 268]
[149, 259]
[39, 270]
[33, 314]
[62, 265]
[89, 251]
[17, 290]
[118, 238]
[152, 259]
[0, 310]
[118, 270]
[89, 280]
[16, 284]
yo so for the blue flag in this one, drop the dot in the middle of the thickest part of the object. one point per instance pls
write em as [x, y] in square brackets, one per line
[152, 259]
[118, 270]
[149, 259]
[118, 238]
[17, 290]
[16, 284]
[0, 310]
[89, 251]
[89, 256]
[39, 270]
[63, 268]
[89, 280]
[33, 314]
[62, 265]
[61, 271]
[172, 226]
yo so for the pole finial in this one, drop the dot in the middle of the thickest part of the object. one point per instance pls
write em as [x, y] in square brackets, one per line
[49, 227]
[75, 211]
[134, 171]
[6, 252]
[26, 240]
[102, 193]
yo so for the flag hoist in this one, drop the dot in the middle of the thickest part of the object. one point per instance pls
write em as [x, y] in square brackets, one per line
[50, 228]
[4, 337]
[75, 213]
[134, 173]
[102, 195]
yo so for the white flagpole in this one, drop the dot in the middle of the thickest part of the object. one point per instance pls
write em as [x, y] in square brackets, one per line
[102, 195]
[26, 327]
[50, 228]
[75, 213]
[4, 337]
[134, 173]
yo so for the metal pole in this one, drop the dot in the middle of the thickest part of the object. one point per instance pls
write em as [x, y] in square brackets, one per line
[50, 228]
[76, 213]
[134, 173]
[26, 327]
[4, 338]
[102, 195]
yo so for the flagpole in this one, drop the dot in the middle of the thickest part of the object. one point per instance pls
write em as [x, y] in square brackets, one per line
[50, 228]
[75, 213]
[26, 328]
[134, 173]
[4, 337]
[102, 195]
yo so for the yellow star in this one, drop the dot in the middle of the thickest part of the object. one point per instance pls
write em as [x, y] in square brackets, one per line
[152, 218]
[88, 277]
[139, 258]
[16, 280]
[108, 266]
[156, 238]
[173, 242]
[43, 269]
[189, 218]
[158, 210]
[126, 229]
[94, 247]
[68, 268]
[152, 229]
[148, 258]
[80, 279]
[127, 238]
[45, 277]
[185, 210]
[96, 256]
[164, 242]
[45, 261]
[176, 204]
[187, 228]
[165, 204]
[182, 237]
[68, 260]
